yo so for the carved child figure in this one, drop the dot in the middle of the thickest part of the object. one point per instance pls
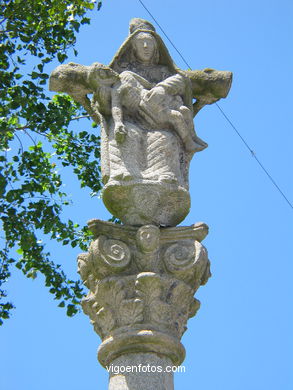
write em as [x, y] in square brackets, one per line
[158, 105]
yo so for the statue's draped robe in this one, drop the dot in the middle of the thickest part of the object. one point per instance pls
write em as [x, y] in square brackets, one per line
[149, 151]
[146, 173]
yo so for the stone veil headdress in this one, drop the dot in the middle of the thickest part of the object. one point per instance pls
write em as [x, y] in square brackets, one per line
[125, 54]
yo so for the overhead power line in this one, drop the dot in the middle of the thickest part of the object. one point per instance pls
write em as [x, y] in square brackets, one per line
[223, 113]
[158, 24]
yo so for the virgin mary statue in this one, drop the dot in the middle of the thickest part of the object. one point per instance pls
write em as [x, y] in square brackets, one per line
[144, 104]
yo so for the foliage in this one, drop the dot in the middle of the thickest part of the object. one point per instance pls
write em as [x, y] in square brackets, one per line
[36, 141]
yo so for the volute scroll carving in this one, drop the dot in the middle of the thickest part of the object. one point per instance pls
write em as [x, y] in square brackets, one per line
[142, 279]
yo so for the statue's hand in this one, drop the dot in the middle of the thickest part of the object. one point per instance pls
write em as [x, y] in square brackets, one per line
[155, 95]
[120, 132]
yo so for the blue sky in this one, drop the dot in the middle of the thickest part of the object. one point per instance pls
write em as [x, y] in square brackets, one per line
[241, 339]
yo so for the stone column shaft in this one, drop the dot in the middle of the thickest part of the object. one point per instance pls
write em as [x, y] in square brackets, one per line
[141, 371]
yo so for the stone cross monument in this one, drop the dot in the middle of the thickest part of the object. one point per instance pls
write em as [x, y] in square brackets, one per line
[142, 274]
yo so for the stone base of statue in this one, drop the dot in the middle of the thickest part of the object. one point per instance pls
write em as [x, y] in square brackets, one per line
[145, 176]
[144, 202]
[142, 282]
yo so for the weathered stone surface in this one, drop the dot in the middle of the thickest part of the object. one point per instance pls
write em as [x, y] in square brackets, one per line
[142, 276]
[137, 371]
[144, 104]
[147, 202]
[142, 281]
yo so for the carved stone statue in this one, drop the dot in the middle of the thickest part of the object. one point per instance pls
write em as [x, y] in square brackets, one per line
[144, 104]
[142, 275]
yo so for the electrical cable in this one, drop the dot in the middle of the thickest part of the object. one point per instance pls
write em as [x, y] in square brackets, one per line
[223, 113]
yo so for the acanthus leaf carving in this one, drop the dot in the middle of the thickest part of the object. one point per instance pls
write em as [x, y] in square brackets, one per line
[194, 307]
[85, 269]
[143, 280]
[103, 305]
[149, 287]
[180, 298]
[104, 321]
[131, 312]
[110, 294]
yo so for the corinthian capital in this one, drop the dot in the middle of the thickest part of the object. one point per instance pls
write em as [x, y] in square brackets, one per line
[142, 283]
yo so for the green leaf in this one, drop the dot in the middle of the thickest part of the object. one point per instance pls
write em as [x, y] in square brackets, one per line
[71, 310]
[32, 161]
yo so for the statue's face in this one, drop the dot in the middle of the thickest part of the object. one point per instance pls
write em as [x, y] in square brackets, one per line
[145, 46]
